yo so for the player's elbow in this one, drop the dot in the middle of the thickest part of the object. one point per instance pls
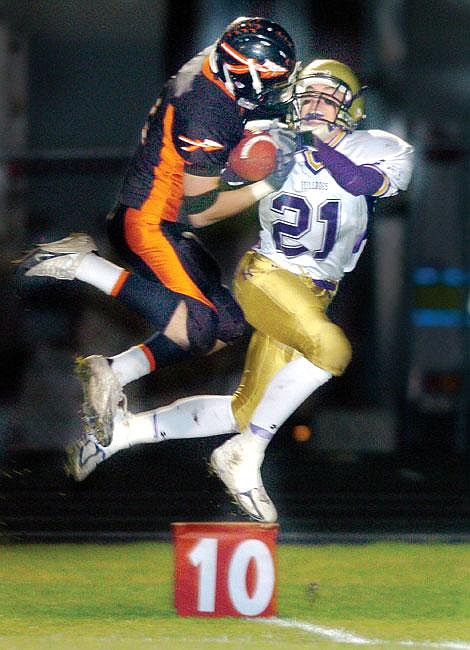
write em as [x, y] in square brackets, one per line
[367, 181]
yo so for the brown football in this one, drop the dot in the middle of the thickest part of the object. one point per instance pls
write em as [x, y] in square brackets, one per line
[254, 157]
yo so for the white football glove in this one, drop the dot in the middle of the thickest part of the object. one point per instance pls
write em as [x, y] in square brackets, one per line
[286, 143]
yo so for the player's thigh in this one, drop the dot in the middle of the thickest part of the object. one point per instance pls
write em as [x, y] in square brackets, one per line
[291, 309]
[264, 358]
[205, 272]
[231, 323]
[115, 225]
[158, 250]
[161, 252]
[275, 301]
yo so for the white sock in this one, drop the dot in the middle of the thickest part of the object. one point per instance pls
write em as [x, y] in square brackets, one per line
[100, 273]
[191, 417]
[284, 394]
[130, 364]
[131, 430]
[195, 417]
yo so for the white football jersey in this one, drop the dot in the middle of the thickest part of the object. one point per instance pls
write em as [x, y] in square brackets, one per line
[312, 225]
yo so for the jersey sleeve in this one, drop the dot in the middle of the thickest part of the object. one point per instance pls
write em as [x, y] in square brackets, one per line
[205, 134]
[394, 160]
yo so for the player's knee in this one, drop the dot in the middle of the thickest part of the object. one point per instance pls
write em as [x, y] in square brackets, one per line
[341, 353]
[331, 350]
[232, 323]
[201, 327]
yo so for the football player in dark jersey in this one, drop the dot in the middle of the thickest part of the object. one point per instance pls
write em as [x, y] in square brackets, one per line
[172, 185]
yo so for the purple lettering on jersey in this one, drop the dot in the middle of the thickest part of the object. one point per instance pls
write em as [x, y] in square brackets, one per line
[282, 228]
[298, 206]
[328, 212]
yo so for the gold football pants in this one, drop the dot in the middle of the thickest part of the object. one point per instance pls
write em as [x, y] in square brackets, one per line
[288, 313]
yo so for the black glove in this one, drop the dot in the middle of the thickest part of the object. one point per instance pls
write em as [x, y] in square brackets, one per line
[285, 140]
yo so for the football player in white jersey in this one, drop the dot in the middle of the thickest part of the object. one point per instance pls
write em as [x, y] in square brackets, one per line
[313, 230]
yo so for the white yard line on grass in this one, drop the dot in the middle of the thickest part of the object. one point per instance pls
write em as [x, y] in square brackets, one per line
[342, 636]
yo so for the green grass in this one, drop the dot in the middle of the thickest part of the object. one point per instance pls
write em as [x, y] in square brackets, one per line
[120, 596]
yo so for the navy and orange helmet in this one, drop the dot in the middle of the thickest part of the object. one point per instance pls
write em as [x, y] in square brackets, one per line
[256, 60]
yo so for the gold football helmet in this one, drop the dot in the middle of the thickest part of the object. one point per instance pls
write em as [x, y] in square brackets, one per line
[348, 93]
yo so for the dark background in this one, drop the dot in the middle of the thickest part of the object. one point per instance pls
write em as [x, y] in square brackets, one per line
[390, 445]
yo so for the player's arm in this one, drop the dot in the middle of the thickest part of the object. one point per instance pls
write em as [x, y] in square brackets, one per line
[206, 201]
[205, 204]
[389, 174]
[359, 180]
[394, 159]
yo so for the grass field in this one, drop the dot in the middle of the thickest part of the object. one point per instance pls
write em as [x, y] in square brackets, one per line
[120, 596]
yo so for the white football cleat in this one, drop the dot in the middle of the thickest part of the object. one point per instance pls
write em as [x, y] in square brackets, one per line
[102, 395]
[83, 456]
[86, 453]
[237, 463]
[59, 259]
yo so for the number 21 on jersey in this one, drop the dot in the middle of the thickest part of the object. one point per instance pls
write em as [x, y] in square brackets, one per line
[296, 221]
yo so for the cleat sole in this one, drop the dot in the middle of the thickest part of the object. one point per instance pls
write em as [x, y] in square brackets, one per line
[91, 421]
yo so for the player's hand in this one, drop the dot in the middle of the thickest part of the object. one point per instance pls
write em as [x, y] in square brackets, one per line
[285, 140]
[229, 180]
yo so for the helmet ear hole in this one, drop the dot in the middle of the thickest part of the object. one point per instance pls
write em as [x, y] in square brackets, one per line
[255, 58]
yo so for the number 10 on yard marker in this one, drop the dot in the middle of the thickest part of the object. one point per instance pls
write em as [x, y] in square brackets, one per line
[225, 568]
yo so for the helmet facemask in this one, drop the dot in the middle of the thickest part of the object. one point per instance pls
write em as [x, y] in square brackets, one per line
[325, 91]
[255, 91]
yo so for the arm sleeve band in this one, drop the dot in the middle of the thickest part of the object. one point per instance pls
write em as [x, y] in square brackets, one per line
[198, 169]
[356, 179]
[199, 203]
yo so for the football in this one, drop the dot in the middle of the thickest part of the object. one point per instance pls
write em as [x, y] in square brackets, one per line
[254, 157]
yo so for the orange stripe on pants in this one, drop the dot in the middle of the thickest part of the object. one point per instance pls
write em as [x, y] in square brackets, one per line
[145, 238]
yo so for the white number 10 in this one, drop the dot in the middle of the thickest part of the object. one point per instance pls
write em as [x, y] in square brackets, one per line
[204, 556]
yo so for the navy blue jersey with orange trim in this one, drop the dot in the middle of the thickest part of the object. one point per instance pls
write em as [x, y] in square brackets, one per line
[192, 127]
